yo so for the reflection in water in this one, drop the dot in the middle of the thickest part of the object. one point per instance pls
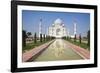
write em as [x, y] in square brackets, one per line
[58, 50]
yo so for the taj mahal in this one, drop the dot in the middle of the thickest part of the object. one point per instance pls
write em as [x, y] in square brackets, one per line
[58, 29]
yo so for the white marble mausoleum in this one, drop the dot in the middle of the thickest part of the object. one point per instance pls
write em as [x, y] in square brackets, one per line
[57, 29]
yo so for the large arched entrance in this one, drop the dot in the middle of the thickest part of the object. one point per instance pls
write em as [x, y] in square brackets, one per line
[58, 33]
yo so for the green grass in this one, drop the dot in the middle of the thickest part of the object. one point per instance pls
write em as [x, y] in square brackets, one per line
[83, 45]
[32, 45]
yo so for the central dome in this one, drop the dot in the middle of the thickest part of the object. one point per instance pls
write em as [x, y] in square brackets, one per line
[58, 21]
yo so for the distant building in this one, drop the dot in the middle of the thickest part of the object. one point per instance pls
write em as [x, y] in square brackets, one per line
[57, 29]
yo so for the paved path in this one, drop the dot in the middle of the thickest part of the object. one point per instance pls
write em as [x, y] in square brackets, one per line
[29, 54]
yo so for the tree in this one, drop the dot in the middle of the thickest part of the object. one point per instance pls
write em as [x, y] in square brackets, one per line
[80, 38]
[67, 38]
[35, 38]
[64, 37]
[23, 38]
[75, 38]
[29, 33]
[70, 38]
[44, 37]
[40, 37]
[53, 37]
[49, 37]
[88, 36]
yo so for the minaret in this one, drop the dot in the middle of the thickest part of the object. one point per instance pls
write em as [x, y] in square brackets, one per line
[74, 28]
[40, 27]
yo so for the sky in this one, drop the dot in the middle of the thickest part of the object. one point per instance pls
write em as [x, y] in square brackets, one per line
[31, 19]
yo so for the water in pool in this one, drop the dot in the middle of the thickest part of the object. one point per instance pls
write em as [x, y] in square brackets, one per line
[58, 50]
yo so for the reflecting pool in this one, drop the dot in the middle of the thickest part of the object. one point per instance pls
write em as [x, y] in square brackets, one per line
[58, 50]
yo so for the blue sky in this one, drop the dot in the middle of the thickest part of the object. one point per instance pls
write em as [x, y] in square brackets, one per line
[30, 20]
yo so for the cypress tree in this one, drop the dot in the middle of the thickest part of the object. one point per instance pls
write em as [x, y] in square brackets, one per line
[35, 38]
[88, 37]
[40, 37]
[23, 38]
[44, 37]
[80, 38]
[75, 38]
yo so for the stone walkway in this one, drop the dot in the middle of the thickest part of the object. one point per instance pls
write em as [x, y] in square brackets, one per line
[29, 54]
[81, 51]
